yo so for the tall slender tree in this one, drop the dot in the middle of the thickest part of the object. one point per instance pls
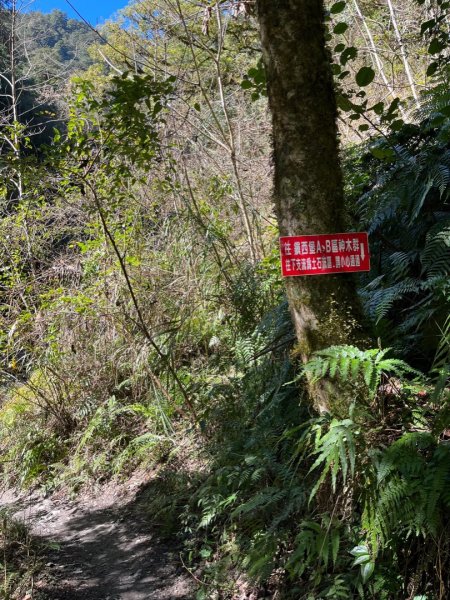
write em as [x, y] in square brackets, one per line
[11, 90]
[308, 188]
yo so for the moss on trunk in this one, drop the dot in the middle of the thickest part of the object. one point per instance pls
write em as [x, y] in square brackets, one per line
[308, 190]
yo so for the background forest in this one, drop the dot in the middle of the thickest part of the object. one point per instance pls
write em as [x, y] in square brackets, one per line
[143, 318]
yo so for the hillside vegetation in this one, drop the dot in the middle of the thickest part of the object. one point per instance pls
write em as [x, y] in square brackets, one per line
[143, 316]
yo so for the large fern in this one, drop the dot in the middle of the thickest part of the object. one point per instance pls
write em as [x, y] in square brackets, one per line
[411, 493]
[348, 363]
[336, 452]
[405, 207]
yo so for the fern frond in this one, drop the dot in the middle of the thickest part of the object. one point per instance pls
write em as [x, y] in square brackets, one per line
[412, 489]
[335, 451]
[442, 357]
[436, 254]
[349, 362]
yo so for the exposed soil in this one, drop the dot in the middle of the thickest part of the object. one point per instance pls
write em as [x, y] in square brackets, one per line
[101, 547]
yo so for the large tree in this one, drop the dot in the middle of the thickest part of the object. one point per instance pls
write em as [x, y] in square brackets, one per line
[308, 189]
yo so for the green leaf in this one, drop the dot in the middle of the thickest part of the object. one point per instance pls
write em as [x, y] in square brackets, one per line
[382, 153]
[133, 261]
[432, 68]
[336, 69]
[393, 107]
[361, 560]
[344, 103]
[335, 541]
[338, 7]
[205, 552]
[340, 28]
[348, 54]
[344, 367]
[359, 550]
[368, 373]
[435, 46]
[427, 25]
[365, 76]
[367, 570]
[397, 124]
[378, 108]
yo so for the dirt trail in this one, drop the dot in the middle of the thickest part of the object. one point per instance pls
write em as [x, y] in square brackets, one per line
[106, 549]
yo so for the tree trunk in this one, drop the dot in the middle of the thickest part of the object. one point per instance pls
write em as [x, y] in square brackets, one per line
[15, 93]
[308, 188]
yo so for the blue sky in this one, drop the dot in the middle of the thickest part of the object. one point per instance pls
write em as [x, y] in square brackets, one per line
[94, 11]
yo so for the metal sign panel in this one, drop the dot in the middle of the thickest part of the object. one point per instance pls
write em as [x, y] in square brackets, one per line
[324, 254]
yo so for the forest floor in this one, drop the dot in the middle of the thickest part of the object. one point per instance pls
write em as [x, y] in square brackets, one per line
[101, 546]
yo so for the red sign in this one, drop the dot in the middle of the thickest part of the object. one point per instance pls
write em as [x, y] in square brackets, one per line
[324, 254]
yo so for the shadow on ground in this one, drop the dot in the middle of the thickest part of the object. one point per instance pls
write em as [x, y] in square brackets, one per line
[99, 553]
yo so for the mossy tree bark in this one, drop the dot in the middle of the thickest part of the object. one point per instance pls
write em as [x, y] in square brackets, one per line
[308, 189]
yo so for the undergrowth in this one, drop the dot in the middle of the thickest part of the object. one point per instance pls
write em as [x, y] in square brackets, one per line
[322, 507]
[20, 559]
[144, 334]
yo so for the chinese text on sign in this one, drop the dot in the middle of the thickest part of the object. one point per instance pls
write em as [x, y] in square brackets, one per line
[324, 254]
